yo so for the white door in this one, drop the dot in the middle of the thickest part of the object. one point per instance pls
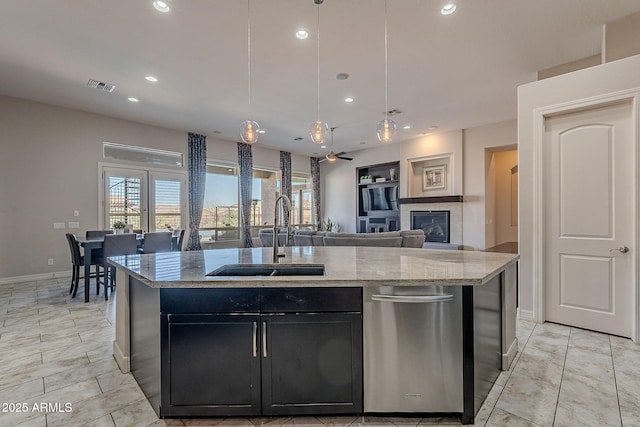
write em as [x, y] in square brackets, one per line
[142, 199]
[125, 197]
[167, 203]
[590, 206]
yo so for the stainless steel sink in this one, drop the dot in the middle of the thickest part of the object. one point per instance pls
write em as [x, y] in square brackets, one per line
[269, 270]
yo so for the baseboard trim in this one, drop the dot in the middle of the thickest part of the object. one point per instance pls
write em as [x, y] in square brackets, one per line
[121, 359]
[508, 358]
[35, 277]
[526, 315]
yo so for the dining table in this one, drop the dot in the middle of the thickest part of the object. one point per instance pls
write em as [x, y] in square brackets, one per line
[96, 243]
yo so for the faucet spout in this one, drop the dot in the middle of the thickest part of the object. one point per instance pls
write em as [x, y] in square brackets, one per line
[276, 229]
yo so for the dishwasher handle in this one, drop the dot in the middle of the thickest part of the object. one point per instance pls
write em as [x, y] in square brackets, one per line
[412, 298]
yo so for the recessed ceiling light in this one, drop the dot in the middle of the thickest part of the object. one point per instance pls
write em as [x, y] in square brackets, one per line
[132, 99]
[261, 131]
[151, 79]
[406, 127]
[302, 34]
[348, 99]
[161, 6]
[342, 76]
[448, 9]
[323, 146]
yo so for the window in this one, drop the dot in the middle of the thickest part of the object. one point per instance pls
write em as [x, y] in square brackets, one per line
[220, 212]
[220, 216]
[301, 201]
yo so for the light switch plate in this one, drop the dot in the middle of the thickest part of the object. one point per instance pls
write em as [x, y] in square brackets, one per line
[58, 225]
[74, 224]
[76, 213]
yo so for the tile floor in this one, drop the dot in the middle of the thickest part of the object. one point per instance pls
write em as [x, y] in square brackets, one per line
[56, 364]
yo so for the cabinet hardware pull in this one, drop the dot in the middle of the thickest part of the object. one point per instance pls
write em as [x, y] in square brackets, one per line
[413, 298]
[255, 339]
[264, 339]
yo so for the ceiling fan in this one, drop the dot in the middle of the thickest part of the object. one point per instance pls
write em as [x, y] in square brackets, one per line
[332, 157]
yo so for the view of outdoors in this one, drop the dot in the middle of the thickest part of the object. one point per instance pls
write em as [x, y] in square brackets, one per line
[220, 216]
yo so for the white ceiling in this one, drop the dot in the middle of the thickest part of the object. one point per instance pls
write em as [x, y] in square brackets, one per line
[453, 72]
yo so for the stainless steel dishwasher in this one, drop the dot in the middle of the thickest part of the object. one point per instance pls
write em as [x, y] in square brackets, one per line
[413, 349]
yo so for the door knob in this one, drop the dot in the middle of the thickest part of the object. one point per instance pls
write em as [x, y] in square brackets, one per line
[622, 249]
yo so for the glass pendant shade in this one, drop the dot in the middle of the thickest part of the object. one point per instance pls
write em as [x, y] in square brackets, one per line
[318, 131]
[249, 131]
[385, 130]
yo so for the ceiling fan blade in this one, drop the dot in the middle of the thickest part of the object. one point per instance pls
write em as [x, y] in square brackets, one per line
[344, 158]
[341, 153]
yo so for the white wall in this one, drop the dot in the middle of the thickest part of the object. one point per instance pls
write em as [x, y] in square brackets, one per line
[581, 85]
[49, 168]
[476, 166]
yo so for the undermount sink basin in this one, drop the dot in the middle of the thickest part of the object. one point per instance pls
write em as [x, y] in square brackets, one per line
[269, 270]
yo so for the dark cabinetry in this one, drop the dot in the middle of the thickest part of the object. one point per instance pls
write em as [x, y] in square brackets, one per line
[377, 198]
[280, 351]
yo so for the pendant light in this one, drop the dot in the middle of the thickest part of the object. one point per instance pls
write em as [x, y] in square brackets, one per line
[387, 127]
[331, 156]
[318, 129]
[249, 130]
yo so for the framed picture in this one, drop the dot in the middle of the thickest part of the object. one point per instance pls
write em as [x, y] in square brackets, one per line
[434, 178]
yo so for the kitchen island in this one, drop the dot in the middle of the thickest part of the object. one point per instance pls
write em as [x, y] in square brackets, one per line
[294, 344]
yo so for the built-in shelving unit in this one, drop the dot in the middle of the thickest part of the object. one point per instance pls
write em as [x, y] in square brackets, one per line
[378, 188]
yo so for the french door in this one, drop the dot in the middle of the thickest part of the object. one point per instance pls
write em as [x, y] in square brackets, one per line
[143, 199]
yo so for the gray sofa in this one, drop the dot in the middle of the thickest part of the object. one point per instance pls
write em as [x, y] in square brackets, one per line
[405, 239]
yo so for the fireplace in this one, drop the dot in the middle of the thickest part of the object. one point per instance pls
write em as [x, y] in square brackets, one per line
[436, 225]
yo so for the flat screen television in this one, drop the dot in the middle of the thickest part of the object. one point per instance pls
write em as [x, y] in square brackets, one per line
[380, 198]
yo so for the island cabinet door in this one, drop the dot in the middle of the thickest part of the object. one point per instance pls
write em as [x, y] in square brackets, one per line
[211, 365]
[311, 363]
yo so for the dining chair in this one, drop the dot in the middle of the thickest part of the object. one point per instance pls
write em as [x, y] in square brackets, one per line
[114, 245]
[158, 241]
[179, 233]
[97, 257]
[77, 261]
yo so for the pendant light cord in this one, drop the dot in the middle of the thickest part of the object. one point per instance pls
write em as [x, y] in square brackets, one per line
[249, 54]
[318, 62]
[386, 96]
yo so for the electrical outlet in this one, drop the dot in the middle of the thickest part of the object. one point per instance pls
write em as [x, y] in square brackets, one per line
[58, 225]
[74, 224]
[50, 261]
[76, 213]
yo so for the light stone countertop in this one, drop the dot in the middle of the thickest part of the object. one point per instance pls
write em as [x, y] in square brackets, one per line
[344, 266]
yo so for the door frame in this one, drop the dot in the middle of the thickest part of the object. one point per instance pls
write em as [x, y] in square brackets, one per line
[539, 168]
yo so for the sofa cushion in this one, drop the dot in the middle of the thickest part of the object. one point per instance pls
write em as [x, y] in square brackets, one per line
[387, 242]
[412, 238]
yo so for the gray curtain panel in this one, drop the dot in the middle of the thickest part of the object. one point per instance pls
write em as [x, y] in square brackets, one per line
[197, 178]
[245, 161]
[285, 169]
[315, 185]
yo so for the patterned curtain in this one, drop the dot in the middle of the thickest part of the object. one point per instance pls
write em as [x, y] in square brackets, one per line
[285, 169]
[245, 161]
[315, 184]
[197, 179]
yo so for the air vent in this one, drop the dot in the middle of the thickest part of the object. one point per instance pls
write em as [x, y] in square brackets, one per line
[95, 84]
[299, 138]
[394, 112]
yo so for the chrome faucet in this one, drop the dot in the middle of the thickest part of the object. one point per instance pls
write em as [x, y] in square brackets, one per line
[276, 229]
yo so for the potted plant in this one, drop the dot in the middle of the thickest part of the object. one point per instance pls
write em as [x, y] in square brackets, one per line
[119, 226]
